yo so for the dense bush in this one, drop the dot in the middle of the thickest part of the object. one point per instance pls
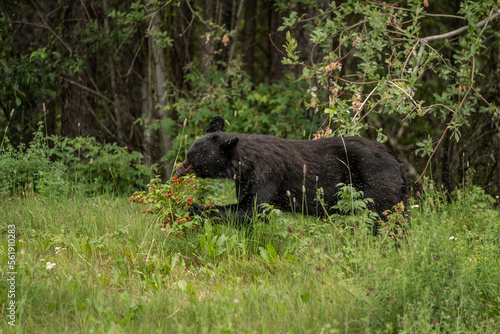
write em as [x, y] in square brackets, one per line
[29, 169]
[101, 167]
[79, 164]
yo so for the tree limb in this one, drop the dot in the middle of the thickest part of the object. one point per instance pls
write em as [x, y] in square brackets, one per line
[460, 30]
[448, 35]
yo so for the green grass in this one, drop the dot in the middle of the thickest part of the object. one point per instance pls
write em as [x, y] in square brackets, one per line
[117, 272]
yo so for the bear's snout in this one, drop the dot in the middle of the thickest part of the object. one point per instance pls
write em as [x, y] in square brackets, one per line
[184, 169]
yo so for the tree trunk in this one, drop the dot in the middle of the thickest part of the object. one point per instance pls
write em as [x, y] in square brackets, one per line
[235, 25]
[147, 106]
[159, 86]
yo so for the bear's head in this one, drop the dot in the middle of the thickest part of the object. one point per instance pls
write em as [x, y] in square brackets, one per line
[211, 155]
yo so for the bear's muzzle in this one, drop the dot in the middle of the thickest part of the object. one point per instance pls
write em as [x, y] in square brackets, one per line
[184, 168]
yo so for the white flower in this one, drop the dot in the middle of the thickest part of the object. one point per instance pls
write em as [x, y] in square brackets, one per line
[59, 249]
[414, 206]
[452, 238]
[50, 265]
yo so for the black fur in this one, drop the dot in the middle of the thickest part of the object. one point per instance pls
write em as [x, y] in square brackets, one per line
[268, 169]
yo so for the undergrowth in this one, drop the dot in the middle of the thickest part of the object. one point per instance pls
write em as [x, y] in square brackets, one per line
[113, 269]
[60, 166]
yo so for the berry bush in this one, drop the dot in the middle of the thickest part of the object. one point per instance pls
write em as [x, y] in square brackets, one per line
[171, 202]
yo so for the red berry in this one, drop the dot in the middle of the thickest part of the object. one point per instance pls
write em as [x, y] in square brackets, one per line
[143, 211]
[189, 203]
[188, 218]
[181, 221]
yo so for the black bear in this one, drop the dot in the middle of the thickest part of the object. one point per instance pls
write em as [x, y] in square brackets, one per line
[268, 169]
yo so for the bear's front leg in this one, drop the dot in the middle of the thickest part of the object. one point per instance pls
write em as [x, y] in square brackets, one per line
[231, 213]
[238, 214]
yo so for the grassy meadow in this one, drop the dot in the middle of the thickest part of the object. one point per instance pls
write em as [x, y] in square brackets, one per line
[99, 265]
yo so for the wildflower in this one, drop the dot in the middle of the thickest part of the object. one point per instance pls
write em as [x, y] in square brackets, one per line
[59, 249]
[50, 265]
[452, 238]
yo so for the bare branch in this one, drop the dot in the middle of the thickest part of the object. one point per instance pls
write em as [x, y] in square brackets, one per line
[448, 35]
[88, 89]
[460, 30]
[44, 26]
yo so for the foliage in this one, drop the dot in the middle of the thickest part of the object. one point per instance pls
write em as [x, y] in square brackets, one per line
[101, 167]
[27, 77]
[29, 169]
[353, 208]
[396, 224]
[170, 202]
[79, 162]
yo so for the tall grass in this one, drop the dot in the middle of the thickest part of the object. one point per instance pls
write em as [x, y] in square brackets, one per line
[117, 272]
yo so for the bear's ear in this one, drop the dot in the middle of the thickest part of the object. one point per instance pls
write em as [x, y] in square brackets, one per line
[229, 144]
[216, 124]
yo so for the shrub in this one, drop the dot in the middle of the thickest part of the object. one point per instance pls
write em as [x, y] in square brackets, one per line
[171, 201]
[101, 167]
[29, 169]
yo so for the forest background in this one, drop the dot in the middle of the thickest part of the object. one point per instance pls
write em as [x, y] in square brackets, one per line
[148, 75]
[99, 96]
